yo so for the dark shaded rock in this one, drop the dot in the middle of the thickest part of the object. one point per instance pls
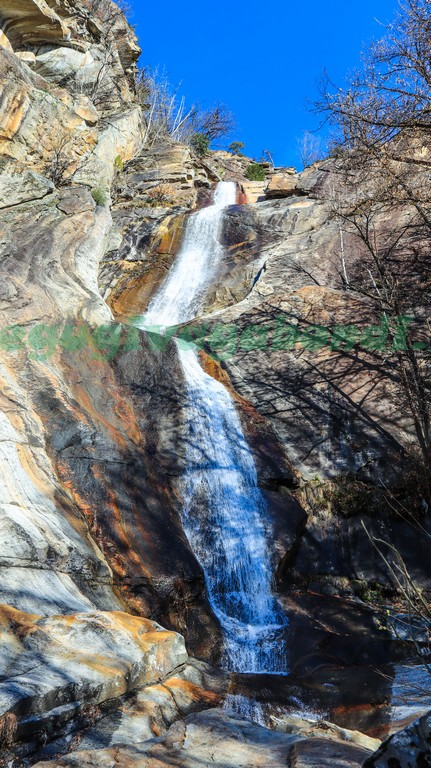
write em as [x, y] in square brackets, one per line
[115, 448]
[214, 738]
[409, 748]
[321, 753]
[335, 547]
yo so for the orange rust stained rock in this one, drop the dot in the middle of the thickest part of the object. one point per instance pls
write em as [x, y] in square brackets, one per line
[27, 463]
[113, 503]
[62, 471]
[171, 235]
[13, 108]
[139, 280]
[86, 403]
[133, 294]
[55, 380]
[85, 658]
[113, 537]
[194, 692]
[132, 556]
[124, 423]
[86, 510]
[214, 369]
[21, 623]
[241, 197]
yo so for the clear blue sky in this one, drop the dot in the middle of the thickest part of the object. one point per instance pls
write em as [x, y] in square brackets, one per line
[262, 60]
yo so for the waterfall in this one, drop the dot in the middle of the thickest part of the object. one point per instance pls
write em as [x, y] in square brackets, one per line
[180, 297]
[223, 507]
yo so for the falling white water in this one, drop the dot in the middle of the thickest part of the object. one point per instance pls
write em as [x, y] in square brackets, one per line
[223, 505]
[180, 297]
[246, 708]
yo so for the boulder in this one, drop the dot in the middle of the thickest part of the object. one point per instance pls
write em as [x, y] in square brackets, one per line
[60, 64]
[409, 748]
[322, 729]
[213, 738]
[284, 183]
[85, 109]
[207, 738]
[77, 660]
[254, 191]
[148, 712]
[322, 753]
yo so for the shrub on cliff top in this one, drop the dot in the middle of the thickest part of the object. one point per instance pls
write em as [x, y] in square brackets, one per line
[200, 143]
[236, 148]
[255, 172]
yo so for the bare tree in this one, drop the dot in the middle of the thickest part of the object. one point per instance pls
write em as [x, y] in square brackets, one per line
[267, 157]
[383, 139]
[168, 118]
[390, 96]
[60, 157]
[214, 123]
[393, 274]
[412, 622]
[310, 148]
[165, 111]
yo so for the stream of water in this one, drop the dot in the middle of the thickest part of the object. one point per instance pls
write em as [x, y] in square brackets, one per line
[223, 507]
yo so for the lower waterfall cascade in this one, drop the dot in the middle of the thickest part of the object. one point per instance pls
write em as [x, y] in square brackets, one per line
[230, 540]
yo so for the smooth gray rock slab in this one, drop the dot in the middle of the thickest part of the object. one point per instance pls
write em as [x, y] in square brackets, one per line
[215, 739]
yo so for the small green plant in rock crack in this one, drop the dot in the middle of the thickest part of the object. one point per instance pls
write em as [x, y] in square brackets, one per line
[99, 195]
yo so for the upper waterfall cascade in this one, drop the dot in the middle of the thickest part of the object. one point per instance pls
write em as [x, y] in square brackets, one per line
[180, 297]
[229, 537]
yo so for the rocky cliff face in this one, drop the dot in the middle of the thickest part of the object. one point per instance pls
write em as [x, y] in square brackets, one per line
[68, 111]
[276, 318]
[92, 418]
[68, 99]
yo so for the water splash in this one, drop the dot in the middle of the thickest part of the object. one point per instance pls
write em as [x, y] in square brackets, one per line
[246, 708]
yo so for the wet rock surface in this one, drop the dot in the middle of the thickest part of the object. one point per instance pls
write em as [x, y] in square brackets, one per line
[152, 194]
